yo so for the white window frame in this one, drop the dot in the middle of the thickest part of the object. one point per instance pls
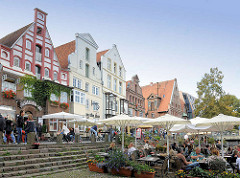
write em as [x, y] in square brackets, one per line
[109, 64]
[29, 44]
[28, 63]
[79, 83]
[8, 86]
[87, 104]
[54, 97]
[115, 85]
[64, 97]
[47, 71]
[109, 78]
[74, 82]
[55, 75]
[76, 96]
[95, 90]
[87, 53]
[80, 64]
[120, 71]
[47, 52]
[120, 87]
[95, 106]
[82, 98]
[18, 61]
[86, 86]
[52, 122]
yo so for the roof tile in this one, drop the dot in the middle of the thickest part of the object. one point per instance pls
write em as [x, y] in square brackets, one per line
[101, 53]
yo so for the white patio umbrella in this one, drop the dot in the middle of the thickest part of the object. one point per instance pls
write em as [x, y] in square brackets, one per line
[4, 110]
[221, 123]
[167, 122]
[62, 115]
[121, 121]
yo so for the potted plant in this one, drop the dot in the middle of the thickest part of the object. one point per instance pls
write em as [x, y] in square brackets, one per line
[10, 94]
[92, 164]
[117, 162]
[64, 105]
[198, 172]
[143, 170]
[54, 103]
[217, 163]
[180, 173]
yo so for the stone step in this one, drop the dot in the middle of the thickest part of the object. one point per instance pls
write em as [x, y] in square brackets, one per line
[44, 153]
[40, 160]
[47, 166]
[43, 170]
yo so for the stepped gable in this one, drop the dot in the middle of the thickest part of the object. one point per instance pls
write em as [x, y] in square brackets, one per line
[11, 38]
[63, 52]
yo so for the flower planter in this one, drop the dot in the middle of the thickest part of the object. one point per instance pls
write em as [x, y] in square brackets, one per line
[94, 168]
[144, 174]
[54, 105]
[122, 171]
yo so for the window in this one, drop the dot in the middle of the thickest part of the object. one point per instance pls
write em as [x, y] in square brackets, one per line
[27, 93]
[55, 76]
[38, 49]
[87, 103]
[153, 115]
[77, 96]
[74, 82]
[86, 87]
[53, 125]
[93, 71]
[116, 109]
[115, 68]
[140, 114]
[28, 66]
[95, 90]
[115, 85]
[109, 81]
[87, 54]
[4, 54]
[87, 70]
[82, 98]
[28, 44]
[120, 71]
[95, 106]
[47, 52]
[46, 72]
[39, 30]
[63, 98]
[109, 64]
[53, 97]
[120, 87]
[79, 84]
[63, 76]
[80, 64]
[8, 86]
[16, 62]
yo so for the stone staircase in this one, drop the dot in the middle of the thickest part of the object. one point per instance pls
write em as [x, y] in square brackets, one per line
[21, 161]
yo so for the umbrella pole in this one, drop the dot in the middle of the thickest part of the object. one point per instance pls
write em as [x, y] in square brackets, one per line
[199, 140]
[222, 143]
[135, 137]
[168, 150]
[122, 138]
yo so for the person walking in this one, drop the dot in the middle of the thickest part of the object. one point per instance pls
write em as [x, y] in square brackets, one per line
[9, 131]
[94, 130]
[19, 125]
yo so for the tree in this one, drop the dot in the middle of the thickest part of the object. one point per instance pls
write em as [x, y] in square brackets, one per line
[229, 105]
[209, 93]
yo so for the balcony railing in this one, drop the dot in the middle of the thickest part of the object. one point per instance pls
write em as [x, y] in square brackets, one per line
[38, 57]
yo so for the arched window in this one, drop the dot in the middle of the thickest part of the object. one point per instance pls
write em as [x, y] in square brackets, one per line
[39, 30]
[4, 54]
[29, 44]
[47, 52]
[16, 61]
[46, 72]
[28, 66]
[55, 76]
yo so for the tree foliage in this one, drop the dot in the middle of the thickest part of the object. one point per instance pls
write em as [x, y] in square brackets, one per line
[212, 99]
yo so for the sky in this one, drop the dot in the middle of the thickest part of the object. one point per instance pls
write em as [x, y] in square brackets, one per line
[157, 39]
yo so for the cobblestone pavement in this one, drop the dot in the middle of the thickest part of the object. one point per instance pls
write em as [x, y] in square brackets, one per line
[79, 174]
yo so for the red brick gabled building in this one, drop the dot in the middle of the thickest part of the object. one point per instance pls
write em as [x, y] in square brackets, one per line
[162, 98]
[134, 96]
[30, 51]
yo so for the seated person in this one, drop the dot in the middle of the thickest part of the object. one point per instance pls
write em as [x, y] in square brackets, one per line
[71, 134]
[233, 159]
[111, 147]
[196, 155]
[174, 146]
[185, 165]
[215, 152]
[131, 149]
[146, 146]
[238, 163]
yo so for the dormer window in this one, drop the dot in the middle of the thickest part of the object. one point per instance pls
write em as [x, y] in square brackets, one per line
[39, 31]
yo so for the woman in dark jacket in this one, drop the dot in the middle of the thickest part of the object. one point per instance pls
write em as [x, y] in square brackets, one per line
[9, 129]
[30, 127]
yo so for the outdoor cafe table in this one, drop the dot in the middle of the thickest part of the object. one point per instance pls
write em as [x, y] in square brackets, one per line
[149, 159]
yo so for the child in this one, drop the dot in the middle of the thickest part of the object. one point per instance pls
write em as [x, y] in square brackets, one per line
[238, 163]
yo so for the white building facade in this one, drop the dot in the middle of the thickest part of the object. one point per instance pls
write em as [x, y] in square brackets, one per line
[84, 76]
[114, 82]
